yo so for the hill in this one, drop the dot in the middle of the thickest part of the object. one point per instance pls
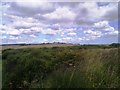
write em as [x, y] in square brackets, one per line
[49, 45]
[18, 46]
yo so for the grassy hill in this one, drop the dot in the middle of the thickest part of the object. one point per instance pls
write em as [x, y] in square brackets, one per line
[19, 46]
[49, 45]
[89, 66]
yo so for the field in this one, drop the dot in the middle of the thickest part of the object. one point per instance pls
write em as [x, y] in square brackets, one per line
[87, 66]
[35, 46]
[0, 72]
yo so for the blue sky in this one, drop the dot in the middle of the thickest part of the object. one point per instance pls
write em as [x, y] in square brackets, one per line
[34, 21]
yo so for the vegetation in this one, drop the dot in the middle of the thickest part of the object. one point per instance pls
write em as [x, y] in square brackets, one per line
[0, 74]
[86, 66]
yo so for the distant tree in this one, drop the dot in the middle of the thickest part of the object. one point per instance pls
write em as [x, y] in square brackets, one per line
[115, 44]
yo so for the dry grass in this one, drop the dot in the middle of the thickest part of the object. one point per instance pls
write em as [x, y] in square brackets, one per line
[35, 46]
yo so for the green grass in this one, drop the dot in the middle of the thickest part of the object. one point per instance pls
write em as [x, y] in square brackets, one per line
[61, 67]
[96, 72]
[0, 73]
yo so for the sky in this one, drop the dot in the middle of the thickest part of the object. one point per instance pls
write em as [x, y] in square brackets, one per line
[33, 21]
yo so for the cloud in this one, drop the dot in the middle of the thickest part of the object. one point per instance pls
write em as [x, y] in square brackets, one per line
[104, 27]
[86, 13]
[39, 30]
[101, 25]
[13, 37]
[9, 30]
[49, 31]
[89, 13]
[13, 32]
[23, 22]
[92, 33]
[45, 41]
[3, 37]
[68, 22]
[70, 40]
[111, 12]
[72, 34]
[66, 39]
[31, 4]
[31, 7]
[33, 36]
[55, 26]
[79, 13]
[115, 33]
[61, 14]
[70, 30]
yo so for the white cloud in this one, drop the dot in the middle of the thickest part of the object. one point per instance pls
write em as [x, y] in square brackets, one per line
[61, 13]
[33, 30]
[3, 37]
[80, 39]
[31, 18]
[72, 34]
[112, 33]
[45, 41]
[65, 39]
[92, 33]
[109, 29]
[9, 30]
[89, 13]
[13, 32]
[49, 31]
[66, 1]
[62, 34]
[101, 25]
[116, 33]
[70, 30]
[24, 21]
[67, 31]
[33, 36]
[13, 37]
[34, 4]
[105, 27]
[25, 31]
[70, 40]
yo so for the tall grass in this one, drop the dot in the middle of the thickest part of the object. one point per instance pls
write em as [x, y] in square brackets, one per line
[100, 70]
[0, 74]
[63, 67]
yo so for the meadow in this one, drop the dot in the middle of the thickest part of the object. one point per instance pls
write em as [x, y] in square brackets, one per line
[86, 66]
[18, 46]
[0, 71]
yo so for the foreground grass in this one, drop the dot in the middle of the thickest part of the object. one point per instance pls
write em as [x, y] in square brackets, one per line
[98, 70]
[0, 73]
[61, 67]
